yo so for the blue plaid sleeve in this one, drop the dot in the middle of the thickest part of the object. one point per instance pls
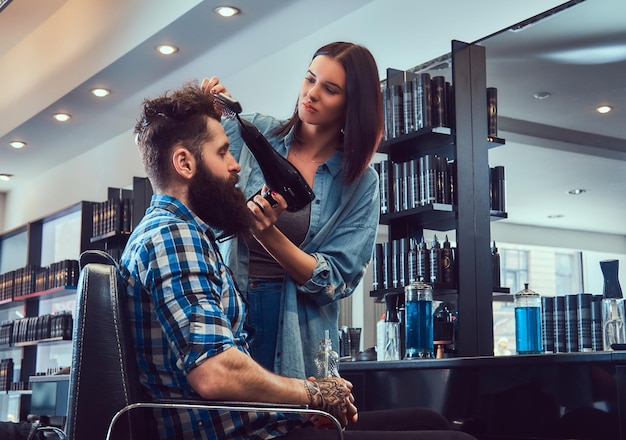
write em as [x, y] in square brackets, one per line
[187, 281]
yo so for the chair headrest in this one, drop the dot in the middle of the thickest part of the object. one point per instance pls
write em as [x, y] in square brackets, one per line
[95, 256]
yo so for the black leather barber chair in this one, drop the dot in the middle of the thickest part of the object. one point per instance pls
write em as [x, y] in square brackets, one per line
[106, 400]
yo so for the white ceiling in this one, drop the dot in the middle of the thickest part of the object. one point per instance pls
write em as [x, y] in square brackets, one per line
[53, 52]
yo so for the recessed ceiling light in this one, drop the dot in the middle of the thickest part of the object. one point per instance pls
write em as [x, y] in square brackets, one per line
[61, 117]
[576, 192]
[17, 144]
[542, 95]
[167, 49]
[604, 109]
[100, 93]
[6, 177]
[227, 11]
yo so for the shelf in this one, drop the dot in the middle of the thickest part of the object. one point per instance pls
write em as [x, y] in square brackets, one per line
[495, 142]
[502, 294]
[434, 140]
[435, 216]
[50, 293]
[440, 292]
[117, 235]
[498, 215]
[465, 145]
[19, 392]
[39, 341]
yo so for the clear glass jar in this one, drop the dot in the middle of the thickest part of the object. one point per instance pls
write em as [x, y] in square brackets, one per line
[527, 321]
[327, 359]
[418, 302]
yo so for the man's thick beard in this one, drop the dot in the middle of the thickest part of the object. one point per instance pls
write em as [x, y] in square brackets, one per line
[219, 203]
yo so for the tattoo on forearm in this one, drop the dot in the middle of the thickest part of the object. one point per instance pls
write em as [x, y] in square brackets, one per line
[327, 395]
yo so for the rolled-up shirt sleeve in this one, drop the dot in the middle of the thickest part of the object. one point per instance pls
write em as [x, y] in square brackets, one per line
[344, 251]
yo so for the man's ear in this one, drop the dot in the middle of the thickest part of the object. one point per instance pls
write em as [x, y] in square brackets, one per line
[184, 162]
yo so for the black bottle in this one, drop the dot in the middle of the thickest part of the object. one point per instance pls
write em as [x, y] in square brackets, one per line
[447, 263]
[497, 188]
[495, 265]
[443, 329]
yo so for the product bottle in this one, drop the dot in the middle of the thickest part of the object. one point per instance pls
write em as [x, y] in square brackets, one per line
[412, 262]
[380, 338]
[447, 263]
[418, 301]
[391, 350]
[495, 265]
[613, 315]
[527, 321]
[326, 359]
[443, 329]
[422, 261]
[435, 261]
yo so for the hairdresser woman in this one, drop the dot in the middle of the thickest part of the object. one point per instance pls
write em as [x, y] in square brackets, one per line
[298, 265]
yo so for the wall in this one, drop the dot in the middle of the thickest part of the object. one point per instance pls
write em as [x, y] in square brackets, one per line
[3, 198]
[558, 238]
[85, 177]
[113, 164]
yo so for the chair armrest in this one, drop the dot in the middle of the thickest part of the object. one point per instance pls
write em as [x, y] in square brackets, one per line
[227, 406]
[234, 404]
[42, 429]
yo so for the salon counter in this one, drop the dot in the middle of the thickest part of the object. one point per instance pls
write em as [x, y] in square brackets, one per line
[547, 396]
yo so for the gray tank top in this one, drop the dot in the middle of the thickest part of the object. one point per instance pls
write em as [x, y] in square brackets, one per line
[295, 226]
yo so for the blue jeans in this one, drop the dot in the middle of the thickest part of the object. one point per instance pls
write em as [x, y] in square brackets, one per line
[264, 299]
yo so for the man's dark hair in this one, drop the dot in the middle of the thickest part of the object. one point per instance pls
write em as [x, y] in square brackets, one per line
[176, 117]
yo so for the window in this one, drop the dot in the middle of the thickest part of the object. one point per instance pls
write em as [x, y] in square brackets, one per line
[548, 271]
[514, 267]
[567, 272]
[13, 250]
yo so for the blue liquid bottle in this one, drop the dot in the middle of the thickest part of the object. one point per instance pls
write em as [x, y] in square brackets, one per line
[418, 303]
[527, 322]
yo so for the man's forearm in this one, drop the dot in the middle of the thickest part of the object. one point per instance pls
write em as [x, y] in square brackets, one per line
[233, 375]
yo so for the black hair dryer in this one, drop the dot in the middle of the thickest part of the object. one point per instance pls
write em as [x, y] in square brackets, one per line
[280, 174]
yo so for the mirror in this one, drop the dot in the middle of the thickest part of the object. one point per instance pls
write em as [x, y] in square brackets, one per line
[565, 163]
[552, 72]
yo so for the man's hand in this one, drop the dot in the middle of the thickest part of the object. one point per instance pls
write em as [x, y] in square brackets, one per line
[332, 395]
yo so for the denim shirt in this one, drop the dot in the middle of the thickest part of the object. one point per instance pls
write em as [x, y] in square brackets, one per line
[341, 237]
